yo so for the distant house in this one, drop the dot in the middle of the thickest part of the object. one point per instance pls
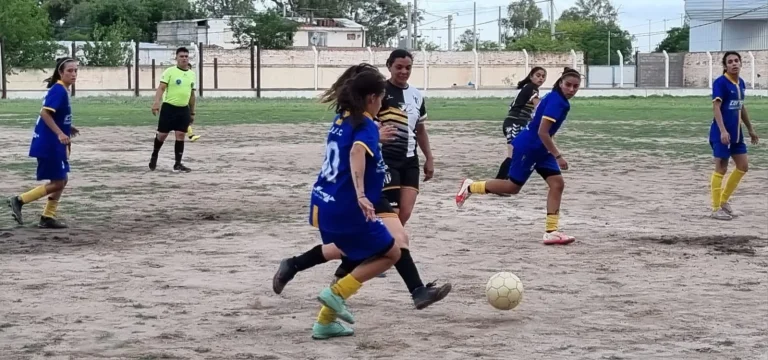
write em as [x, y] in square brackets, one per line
[746, 25]
[320, 32]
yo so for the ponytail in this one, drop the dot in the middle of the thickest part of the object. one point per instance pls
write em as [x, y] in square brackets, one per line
[60, 63]
[332, 94]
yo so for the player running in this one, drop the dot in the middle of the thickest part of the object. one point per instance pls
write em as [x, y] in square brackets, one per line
[341, 206]
[405, 109]
[726, 136]
[535, 149]
[422, 295]
[520, 111]
[51, 146]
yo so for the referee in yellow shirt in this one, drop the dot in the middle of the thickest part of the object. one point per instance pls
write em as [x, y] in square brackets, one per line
[177, 92]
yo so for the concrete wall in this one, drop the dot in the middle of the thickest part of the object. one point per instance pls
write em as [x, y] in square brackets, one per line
[295, 69]
[651, 70]
[697, 73]
[285, 70]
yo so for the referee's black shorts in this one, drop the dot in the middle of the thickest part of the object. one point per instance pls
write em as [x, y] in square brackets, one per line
[173, 118]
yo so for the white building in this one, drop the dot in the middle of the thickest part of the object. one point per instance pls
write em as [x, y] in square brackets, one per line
[218, 32]
[745, 26]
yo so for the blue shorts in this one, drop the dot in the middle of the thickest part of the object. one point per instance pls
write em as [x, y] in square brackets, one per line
[52, 169]
[525, 162]
[361, 245]
[721, 151]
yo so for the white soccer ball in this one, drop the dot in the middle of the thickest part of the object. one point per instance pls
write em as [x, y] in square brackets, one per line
[504, 291]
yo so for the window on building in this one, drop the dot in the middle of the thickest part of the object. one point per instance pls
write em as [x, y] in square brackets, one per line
[350, 36]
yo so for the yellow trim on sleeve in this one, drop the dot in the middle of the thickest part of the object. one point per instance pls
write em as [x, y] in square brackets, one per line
[49, 109]
[549, 119]
[365, 146]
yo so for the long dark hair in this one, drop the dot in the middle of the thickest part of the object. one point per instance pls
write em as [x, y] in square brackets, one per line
[330, 95]
[353, 94]
[60, 63]
[527, 79]
[398, 54]
[567, 72]
[725, 59]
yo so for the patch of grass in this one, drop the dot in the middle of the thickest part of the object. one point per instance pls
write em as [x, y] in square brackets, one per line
[665, 113]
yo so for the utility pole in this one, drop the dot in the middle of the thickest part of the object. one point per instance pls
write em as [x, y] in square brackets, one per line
[650, 49]
[500, 27]
[722, 27]
[415, 15]
[609, 47]
[552, 18]
[474, 25]
[408, 25]
[665, 25]
[450, 33]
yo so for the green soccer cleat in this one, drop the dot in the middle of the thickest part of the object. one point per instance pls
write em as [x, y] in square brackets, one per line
[332, 330]
[337, 304]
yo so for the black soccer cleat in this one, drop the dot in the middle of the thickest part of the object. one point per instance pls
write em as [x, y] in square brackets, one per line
[51, 223]
[285, 273]
[429, 294]
[15, 204]
[153, 163]
[181, 168]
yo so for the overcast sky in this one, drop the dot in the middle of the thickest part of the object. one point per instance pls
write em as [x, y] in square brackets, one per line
[633, 17]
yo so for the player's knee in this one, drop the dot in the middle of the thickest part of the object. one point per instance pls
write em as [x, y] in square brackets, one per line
[58, 185]
[556, 183]
[404, 215]
[401, 239]
[180, 136]
[393, 255]
[331, 252]
[161, 136]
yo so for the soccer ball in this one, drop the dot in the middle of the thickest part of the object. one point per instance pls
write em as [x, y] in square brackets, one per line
[504, 291]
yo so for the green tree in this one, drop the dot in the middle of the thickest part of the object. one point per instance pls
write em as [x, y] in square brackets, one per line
[426, 45]
[676, 40]
[594, 10]
[108, 47]
[26, 34]
[385, 19]
[267, 29]
[592, 38]
[466, 42]
[540, 40]
[220, 8]
[522, 17]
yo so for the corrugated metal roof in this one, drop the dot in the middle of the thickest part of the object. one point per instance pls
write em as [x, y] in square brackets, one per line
[736, 9]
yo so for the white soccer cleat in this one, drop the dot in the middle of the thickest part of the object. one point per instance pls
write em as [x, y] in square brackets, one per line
[557, 238]
[463, 193]
[726, 206]
[721, 214]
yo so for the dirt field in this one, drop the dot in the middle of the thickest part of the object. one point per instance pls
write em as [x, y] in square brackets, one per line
[168, 266]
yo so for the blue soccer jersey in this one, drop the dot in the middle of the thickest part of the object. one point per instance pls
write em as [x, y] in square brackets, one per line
[334, 205]
[45, 143]
[730, 92]
[553, 107]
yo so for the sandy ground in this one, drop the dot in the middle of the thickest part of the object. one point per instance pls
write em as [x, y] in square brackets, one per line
[168, 266]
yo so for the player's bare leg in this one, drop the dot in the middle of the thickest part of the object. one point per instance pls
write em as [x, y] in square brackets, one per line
[497, 186]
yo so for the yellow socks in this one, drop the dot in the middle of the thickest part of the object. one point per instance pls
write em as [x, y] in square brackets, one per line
[50, 208]
[346, 287]
[326, 316]
[730, 185]
[477, 187]
[716, 186]
[33, 194]
[552, 221]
